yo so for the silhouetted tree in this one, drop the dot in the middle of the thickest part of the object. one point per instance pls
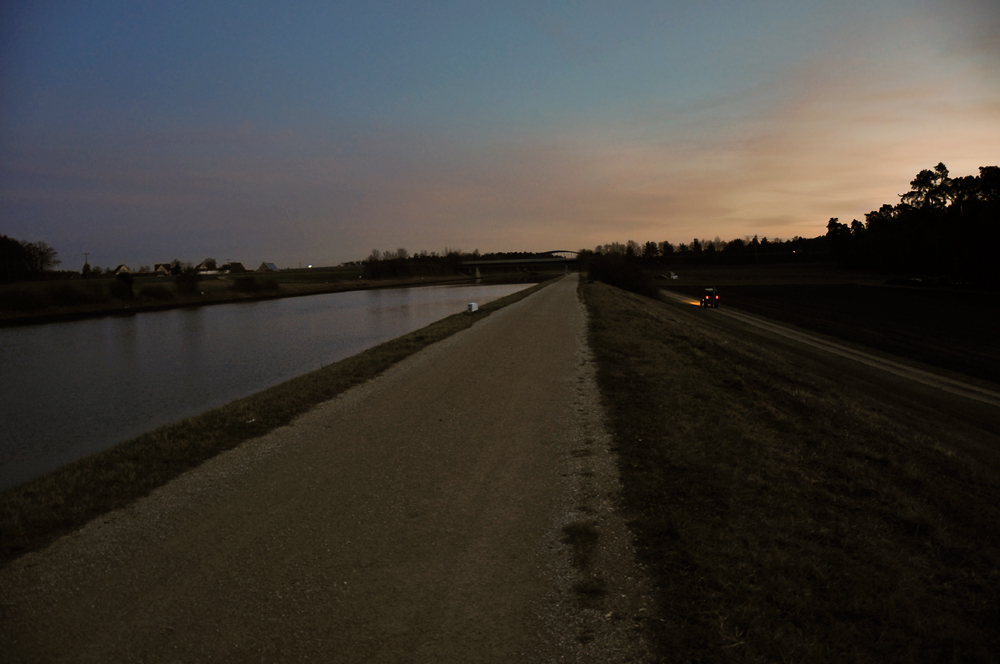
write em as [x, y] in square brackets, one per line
[42, 257]
[839, 237]
[735, 251]
[612, 249]
[13, 259]
[25, 260]
[632, 249]
[929, 188]
[942, 226]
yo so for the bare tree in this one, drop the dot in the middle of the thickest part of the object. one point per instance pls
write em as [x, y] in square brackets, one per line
[41, 256]
[613, 249]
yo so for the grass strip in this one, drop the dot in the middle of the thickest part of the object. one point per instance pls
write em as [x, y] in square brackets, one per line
[35, 513]
[786, 515]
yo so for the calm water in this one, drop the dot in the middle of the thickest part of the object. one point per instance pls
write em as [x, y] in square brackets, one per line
[71, 389]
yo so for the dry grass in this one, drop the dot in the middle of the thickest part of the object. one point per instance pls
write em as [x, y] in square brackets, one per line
[38, 511]
[786, 514]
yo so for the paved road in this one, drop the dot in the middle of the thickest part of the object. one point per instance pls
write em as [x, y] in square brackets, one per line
[416, 518]
[936, 381]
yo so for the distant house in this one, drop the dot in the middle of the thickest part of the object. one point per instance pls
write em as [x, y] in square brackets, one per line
[235, 268]
[122, 269]
[162, 269]
[267, 267]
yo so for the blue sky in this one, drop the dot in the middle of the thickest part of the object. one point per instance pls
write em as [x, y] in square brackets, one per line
[314, 132]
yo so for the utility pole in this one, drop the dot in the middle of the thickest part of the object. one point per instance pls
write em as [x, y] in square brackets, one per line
[85, 254]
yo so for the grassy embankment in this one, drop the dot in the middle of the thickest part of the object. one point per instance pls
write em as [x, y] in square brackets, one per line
[952, 329]
[786, 515]
[40, 510]
[45, 301]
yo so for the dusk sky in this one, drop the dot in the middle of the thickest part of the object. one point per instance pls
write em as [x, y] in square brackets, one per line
[314, 132]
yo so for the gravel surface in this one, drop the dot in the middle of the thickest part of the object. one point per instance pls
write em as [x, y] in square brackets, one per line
[416, 518]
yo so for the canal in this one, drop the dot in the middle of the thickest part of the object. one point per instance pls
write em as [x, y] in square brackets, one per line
[72, 389]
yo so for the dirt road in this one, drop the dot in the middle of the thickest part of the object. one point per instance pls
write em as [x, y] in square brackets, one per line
[415, 519]
[961, 388]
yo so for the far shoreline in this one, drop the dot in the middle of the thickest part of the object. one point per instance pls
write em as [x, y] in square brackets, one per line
[9, 319]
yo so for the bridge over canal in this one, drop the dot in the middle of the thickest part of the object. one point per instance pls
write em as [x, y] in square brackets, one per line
[555, 258]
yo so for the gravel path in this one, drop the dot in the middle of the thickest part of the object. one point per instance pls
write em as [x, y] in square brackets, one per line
[417, 518]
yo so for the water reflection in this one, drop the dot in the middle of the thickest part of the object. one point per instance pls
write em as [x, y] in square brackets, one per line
[72, 389]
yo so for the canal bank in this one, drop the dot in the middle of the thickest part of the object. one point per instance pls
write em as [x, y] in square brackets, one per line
[73, 389]
[422, 517]
[36, 512]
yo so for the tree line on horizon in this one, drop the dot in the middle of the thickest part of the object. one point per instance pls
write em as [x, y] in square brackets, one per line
[400, 263]
[32, 261]
[943, 226]
[704, 251]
